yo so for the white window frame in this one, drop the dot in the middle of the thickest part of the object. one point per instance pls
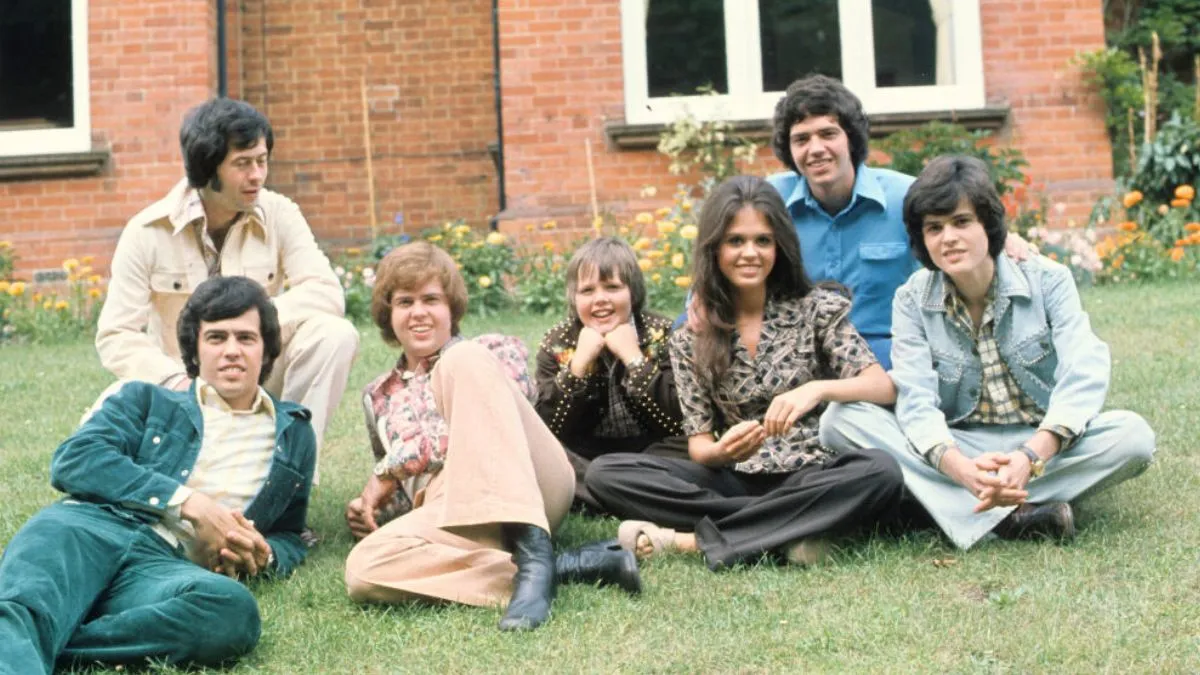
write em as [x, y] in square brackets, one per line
[746, 99]
[78, 137]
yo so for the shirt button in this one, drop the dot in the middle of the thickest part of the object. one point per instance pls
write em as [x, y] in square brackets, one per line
[183, 473]
[154, 501]
[155, 440]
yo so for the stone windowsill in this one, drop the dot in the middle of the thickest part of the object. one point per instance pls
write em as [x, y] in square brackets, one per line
[56, 165]
[645, 136]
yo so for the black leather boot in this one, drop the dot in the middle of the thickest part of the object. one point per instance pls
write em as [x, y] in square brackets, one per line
[534, 582]
[600, 563]
[1052, 520]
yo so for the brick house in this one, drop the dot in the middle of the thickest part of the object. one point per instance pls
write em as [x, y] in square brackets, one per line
[88, 136]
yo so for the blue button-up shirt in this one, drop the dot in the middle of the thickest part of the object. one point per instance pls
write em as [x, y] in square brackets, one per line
[864, 247]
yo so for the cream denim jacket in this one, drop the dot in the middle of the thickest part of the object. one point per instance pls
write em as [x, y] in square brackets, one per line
[159, 262]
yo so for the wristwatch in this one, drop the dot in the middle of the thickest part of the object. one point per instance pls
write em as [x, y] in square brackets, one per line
[1037, 465]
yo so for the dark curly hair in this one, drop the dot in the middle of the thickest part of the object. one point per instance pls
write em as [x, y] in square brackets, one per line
[211, 129]
[944, 182]
[817, 95]
[223, 298]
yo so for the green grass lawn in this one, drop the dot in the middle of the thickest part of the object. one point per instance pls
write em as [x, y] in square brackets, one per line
[1123, 597]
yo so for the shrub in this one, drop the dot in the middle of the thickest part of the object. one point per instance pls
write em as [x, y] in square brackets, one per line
[52, 314]
[1171, 160]
[712, 148]
[911, 149]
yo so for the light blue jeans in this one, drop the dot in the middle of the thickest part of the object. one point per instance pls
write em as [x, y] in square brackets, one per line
[1116, 446]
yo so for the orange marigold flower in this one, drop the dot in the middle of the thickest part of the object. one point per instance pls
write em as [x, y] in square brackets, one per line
[1176, 254]
[1131, 199]
[1127, 226]
[1185, 192]
[1192, 227]
[1181, 203]
[1162, 209]
[642, 244]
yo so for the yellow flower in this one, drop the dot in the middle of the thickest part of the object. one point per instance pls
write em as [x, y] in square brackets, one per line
[683, 282]
[94, 293]
[688, 232]
[656, 277]
[49, 304]
[87, 259]
[645, 264]
[666, 247]
[549, 225]
[644, 218]
[1185, 192]
[435, 237]
[597, 223]
[666, 227]
[622, 230]
[1162, 209]
[17, 289]
[655, 255]
[61, 305]
[663, 212]
[685, 206]
[95, 280]
[642, 244]
[677, 261]
[549, 246]
[462, 229]
[529, 227]
[1131, 199]
[495, 238]
[70, 265]
[84, 271]
[5, 245]
[37, 297]
[4, 286]
[485, 281]
[354, 251]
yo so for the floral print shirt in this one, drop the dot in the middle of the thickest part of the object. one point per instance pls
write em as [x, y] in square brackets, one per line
[408, 433]
[801, 340]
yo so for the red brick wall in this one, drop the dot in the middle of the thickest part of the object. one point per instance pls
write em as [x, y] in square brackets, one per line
[562, 79]
[149, 63]
[428, 70]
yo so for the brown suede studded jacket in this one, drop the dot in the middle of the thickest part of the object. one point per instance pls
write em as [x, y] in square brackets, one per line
[575, 408]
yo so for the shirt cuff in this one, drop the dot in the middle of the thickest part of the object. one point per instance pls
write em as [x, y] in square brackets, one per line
[934, 455]
[1066, 437]
[569, 384]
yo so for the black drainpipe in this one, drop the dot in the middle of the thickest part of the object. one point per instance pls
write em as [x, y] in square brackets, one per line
[503, 199]
[222, 76]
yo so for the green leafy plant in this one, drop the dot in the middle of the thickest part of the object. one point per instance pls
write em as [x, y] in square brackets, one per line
[911, 149]
[714, 149]
[1171, 160]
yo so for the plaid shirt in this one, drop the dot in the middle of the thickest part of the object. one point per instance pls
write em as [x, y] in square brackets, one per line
[1001, 400]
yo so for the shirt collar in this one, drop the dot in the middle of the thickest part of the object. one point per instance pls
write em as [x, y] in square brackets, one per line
[426, 364]
[866, 186]
[207, 396]
[187, 208]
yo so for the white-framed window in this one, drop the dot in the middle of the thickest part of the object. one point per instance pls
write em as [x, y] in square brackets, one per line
[44, 77]
[896, 55]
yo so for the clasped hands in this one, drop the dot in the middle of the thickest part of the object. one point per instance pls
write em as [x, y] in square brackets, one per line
[621, 341]
[740, 441]
[226, 541]
[995, 478]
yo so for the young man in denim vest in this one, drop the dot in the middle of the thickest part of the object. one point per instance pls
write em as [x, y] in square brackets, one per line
[998, 423]
[172, 496]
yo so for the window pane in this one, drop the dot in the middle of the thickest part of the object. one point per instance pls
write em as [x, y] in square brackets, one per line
[36, 82]
[913, 42]
[685, 46]
[798, 37]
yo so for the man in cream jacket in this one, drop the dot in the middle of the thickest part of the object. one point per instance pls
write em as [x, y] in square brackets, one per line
[222, 221]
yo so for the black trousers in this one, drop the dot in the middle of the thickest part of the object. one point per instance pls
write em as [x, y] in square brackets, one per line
[581, 457]
[739, 516]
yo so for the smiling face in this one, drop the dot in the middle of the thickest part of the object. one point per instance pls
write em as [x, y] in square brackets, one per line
[421, 320]
[230, 352]
[821, 150]
[602, 305]
[957, 243]
[747, 251]
[241, 177]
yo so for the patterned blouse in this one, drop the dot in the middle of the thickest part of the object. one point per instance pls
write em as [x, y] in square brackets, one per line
[802, 340]
[409, 436]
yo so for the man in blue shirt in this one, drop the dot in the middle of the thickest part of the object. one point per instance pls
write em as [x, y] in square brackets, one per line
[848, 215]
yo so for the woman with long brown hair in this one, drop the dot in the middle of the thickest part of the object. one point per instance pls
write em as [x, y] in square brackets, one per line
[752, 384]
